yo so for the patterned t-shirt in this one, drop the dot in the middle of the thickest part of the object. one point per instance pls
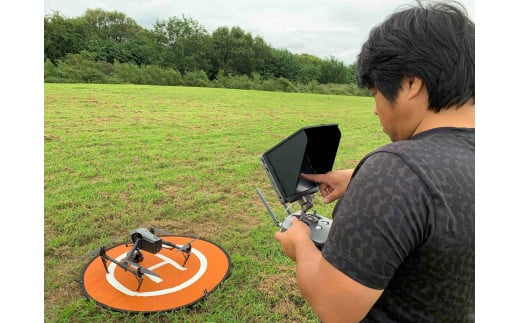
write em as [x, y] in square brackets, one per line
[406, 224]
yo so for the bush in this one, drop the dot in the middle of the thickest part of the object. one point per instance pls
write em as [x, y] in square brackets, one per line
[280, 84]
[82, 68]
[172, 77]
[51, 73]
[235, 82]
[127, 73]
[196, 78]
[152, 75]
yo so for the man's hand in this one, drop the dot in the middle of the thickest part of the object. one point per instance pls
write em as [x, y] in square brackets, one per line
[326, 296]
[299, 234]
[332, 184]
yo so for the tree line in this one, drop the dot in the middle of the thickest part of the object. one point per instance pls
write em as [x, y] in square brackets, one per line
[109, 47]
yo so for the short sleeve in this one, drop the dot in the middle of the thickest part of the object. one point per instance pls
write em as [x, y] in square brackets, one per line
[381, 218]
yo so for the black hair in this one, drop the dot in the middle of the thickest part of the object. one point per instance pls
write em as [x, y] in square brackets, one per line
[434, 42]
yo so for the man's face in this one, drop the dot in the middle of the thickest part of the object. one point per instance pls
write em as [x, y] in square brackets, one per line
[385, 110]
[399, 119]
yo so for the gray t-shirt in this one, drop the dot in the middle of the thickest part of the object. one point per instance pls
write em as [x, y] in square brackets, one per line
[406, 224]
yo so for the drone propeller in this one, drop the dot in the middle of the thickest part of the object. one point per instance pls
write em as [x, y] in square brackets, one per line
[96, 251]
[91, 254]
[160, 232]
[186, 247]
[143, 269]
[179, 247]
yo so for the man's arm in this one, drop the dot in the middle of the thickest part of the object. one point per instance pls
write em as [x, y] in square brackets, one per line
[334, 296]
[332, 184]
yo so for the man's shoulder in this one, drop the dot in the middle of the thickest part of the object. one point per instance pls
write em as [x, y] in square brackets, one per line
[434, 141]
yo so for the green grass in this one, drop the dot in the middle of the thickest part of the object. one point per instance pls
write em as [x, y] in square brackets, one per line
[119, 157]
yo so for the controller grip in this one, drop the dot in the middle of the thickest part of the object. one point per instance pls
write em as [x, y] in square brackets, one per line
[318, 224]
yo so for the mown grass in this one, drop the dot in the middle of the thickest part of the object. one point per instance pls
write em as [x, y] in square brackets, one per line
[119, 157]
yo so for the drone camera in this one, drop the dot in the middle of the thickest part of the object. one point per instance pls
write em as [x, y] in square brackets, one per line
[146, 240]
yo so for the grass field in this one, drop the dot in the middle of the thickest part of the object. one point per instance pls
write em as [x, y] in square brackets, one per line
[119, 157]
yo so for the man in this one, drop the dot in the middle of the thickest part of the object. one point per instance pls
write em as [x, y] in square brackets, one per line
[401, 247]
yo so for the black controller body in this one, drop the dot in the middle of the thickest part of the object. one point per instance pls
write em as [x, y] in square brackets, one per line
[318, 224]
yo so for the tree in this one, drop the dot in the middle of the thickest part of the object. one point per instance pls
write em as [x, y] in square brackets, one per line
[63, 36]
[141, 49]
[111, 25]
[116, 44]
[309, 68]
[263, 54]
[282, 64]
[114, 36]
[186, 43]
[351, 73]
[237, 52]
[333, 71]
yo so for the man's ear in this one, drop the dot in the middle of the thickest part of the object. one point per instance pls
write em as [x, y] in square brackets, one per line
[413, 86]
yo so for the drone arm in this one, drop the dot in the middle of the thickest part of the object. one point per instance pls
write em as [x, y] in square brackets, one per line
[169, 245]
[103, 255]
[124, 266]
[131, 252]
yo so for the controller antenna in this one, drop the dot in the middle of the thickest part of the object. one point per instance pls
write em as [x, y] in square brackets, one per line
[275, 220]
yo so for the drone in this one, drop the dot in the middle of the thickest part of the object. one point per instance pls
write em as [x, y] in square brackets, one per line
[143, 240]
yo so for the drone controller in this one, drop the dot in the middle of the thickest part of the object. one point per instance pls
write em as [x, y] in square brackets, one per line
[318, 224]
[310, 150]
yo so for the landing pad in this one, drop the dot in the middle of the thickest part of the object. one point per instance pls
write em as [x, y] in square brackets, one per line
[175, 286]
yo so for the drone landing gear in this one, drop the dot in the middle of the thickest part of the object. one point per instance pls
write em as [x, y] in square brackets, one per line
[185, 249]
[139, 278]
[186, 255]
[136, 255]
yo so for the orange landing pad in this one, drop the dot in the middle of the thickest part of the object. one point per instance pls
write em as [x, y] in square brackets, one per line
[176, 285]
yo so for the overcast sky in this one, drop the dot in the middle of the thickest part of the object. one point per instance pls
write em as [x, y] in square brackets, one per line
[322, 28]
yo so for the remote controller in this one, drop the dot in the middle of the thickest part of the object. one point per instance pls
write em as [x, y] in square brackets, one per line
[318, 224]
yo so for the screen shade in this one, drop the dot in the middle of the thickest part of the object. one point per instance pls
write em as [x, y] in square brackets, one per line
[309, 150]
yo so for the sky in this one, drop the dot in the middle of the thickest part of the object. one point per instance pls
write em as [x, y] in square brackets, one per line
[325, 28]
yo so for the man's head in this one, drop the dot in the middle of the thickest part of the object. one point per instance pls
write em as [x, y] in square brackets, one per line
[435, 43]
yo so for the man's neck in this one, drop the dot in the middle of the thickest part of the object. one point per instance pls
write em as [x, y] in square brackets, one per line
[461, 117]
